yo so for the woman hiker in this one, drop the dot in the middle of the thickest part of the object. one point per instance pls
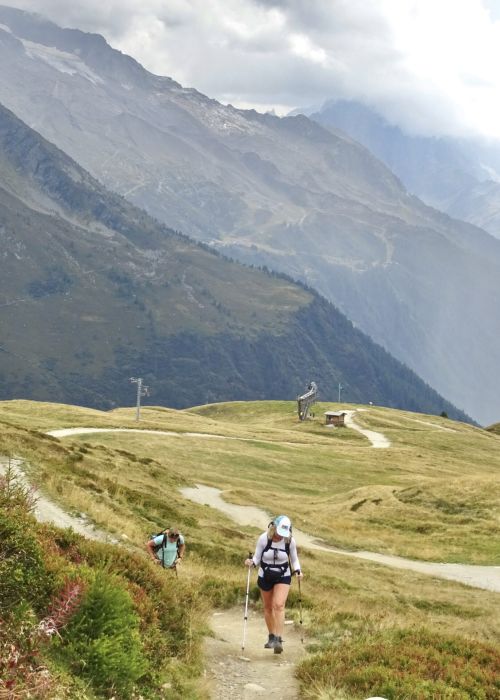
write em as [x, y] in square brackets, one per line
[167, 548]
[276, 557]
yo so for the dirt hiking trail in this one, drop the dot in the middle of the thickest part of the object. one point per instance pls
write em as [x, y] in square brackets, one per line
[487, 577]
[233, 673]
[46, 511]
[378, 440]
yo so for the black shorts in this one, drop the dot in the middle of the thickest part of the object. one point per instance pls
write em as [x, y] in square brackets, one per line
[268, 586]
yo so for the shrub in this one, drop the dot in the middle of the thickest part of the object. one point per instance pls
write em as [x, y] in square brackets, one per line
[23, 576]
[56, 281]
[24, 642]
[101, 643]
[411, 664]
[177, 607]
[22, 670]
[14, 497]
[221, 593]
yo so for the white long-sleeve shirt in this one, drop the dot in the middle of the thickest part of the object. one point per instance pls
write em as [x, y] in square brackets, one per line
[277, 555]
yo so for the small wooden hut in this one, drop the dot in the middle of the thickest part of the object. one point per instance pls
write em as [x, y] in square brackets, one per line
[335, 418]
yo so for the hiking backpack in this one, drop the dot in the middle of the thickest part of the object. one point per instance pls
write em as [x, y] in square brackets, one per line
[163, 543]
[273, 572]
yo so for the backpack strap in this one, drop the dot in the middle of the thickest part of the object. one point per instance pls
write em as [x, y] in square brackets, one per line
[269, 546]
[282, 567]
[163, 547]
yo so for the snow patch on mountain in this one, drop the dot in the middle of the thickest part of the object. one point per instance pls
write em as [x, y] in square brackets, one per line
[60, 60]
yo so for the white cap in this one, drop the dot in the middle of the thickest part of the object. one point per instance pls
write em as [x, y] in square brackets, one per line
[283, 526]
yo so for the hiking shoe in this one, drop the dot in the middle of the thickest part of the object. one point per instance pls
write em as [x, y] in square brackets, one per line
[278, 645]
[270, 642]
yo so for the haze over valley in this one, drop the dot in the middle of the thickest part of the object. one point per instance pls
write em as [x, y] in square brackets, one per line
[249, 266]
[281, 192]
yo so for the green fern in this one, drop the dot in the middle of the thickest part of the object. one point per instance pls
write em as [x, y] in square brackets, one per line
[102, 642]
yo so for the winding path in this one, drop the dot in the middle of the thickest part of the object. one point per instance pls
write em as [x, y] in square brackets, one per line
[67, 432]
[232, 672]
[254, 671]
[486, 577]
[46, 511]
[377, 440]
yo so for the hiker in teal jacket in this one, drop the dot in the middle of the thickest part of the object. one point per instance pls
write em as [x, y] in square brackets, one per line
[167, 548]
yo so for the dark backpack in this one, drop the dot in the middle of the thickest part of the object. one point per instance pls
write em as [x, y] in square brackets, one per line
[163, 543]
[273, 572]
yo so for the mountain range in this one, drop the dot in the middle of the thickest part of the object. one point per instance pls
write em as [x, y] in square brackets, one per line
[286, 193]
[458, 176]
[94, 291]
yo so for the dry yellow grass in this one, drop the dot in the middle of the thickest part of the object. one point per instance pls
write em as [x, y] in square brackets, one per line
[433, 495]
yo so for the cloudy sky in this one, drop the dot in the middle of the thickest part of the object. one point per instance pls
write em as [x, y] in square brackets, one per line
[431, 66]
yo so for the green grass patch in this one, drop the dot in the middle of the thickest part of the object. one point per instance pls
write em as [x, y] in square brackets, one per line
[409, 664]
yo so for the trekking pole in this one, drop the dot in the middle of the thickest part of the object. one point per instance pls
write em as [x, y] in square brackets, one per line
[300, 615]
[246, 604]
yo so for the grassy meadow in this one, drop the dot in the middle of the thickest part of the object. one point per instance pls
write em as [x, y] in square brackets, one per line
[432, 495]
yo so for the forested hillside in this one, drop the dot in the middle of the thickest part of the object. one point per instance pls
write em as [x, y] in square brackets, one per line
[282, 192]
[94, 291]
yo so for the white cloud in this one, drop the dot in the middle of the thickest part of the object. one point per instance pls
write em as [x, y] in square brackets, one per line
[429, 65]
